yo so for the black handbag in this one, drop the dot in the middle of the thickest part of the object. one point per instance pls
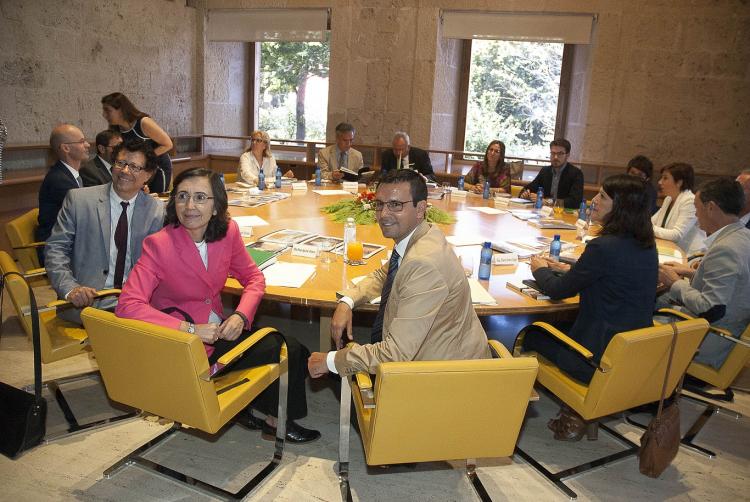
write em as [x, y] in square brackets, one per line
[23, 415]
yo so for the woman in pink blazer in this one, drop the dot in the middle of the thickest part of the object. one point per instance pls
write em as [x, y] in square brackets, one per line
[183, 268]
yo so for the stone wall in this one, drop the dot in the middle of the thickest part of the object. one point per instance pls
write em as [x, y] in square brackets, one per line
[58, 58]
[226, 82]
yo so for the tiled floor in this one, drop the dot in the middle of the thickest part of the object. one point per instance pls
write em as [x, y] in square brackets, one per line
[71, 469]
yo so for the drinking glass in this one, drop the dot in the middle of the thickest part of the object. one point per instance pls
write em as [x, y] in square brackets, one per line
[355, 253]
[467, 263]
[559, 207]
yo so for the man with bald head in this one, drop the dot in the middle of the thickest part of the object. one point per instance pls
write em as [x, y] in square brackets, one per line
[72, 149]
[744, 180]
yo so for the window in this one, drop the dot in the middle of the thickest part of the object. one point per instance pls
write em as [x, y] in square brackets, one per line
[512, 96]
[293, 94]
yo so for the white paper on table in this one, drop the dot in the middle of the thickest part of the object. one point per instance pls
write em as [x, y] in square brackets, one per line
[332, 192]
[665, 258]
[488, 210]
[479, 294]
[460, 240]
[288, 275]
[249, 221]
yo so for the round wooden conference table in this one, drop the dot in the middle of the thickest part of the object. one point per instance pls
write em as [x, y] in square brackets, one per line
[302, 211]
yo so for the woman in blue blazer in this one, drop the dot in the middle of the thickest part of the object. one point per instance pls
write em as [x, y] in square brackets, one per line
[616, 279]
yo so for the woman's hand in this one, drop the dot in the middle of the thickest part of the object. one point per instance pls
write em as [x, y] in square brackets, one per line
[208, 332]
[231, 328]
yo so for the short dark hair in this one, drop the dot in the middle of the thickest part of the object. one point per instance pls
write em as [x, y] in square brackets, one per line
[119, 101]
[630, 215]
[219, 222]
[725, 193]
[344, 127]
[561, 142]
[104, 137]
[137, 145]
[417, 184]
[681, 171]
[643, 164]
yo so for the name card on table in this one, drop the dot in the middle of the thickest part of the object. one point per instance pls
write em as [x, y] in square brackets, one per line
[305, 250]
[351, 186]
[299, 185]
[545, 211]
[505, 259]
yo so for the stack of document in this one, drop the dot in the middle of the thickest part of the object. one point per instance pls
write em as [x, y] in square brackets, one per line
[479, 295]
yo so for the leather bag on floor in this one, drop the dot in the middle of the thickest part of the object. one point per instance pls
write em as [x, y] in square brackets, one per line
[23, 415]
[660, 442]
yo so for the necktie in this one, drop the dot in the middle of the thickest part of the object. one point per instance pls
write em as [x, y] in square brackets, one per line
[342, 160]
[79, 181]
[377, 329]
[121, 243]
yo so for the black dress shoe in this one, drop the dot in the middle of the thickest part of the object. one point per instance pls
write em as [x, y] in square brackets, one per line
[246, 418]
[295, 433]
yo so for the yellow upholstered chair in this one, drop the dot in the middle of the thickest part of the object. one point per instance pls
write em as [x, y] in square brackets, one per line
[133, 355]
[230, 177]
[417, 401]
[720, 378]
[20, 232]
[630, 373]
[58, 339]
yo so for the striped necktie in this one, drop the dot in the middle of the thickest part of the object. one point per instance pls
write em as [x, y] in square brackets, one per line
[377, 329]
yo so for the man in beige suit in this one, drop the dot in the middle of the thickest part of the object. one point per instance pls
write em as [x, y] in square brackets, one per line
[340, 155]
[425, 310]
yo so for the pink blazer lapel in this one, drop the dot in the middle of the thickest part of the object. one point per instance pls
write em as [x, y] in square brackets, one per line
[188, 253]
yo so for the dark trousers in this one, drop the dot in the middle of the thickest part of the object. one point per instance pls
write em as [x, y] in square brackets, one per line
[266, 351]
[549, 347]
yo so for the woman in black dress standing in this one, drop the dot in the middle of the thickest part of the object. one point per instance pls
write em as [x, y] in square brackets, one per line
[135, 125]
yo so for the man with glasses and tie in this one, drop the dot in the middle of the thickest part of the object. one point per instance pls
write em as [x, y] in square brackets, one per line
[425, 302]
[71, 148]
[340, 155]
[560, 180]
[99, 231]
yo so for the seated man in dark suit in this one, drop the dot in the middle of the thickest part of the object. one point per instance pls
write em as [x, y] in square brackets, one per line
[71, 148]
[560, 180]
[100, 230]
[403, 155]
[98, 170]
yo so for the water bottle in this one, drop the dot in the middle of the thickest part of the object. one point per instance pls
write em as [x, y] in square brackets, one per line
[278, 178]
[485, 262]
[261, 180]
[317, 176]
[460, 182]
[582, 211]
[539, 198]
[554, 248]
[486, 192]
[350, 234]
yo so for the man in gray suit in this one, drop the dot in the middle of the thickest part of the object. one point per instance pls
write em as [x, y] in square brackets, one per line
[99, 231]
[425, 301]
[340, 155]
[98, 171]
[719, 289]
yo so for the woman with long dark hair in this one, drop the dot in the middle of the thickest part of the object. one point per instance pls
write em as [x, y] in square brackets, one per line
[492, 168]
[132, 124]
[616, 279]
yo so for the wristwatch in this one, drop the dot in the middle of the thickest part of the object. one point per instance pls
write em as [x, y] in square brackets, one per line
[191, 328]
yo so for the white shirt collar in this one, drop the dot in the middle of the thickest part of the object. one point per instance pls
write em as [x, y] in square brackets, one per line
[106, 164]
[400, 248]
[74, 172]
[711, 238]
[113, 195]
[745, 219]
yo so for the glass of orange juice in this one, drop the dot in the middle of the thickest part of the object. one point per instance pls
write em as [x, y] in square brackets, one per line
[559, 207]
[355, 253]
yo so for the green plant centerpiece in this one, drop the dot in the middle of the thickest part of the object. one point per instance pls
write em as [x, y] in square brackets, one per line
[363, 211]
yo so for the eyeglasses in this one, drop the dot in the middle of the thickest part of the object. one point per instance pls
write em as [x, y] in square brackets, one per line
[199, 198]
[558, 154]
[79, 142]
[394, 206]
[134, 168]
[257, 140]
[492, 150]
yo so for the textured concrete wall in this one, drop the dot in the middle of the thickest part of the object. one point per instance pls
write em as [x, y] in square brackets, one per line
[59, 57]
[226, 83]
[445, 98]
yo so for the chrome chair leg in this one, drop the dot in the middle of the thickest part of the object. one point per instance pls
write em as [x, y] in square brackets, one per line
[558, 478]
[471, 473]
[345, 409]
